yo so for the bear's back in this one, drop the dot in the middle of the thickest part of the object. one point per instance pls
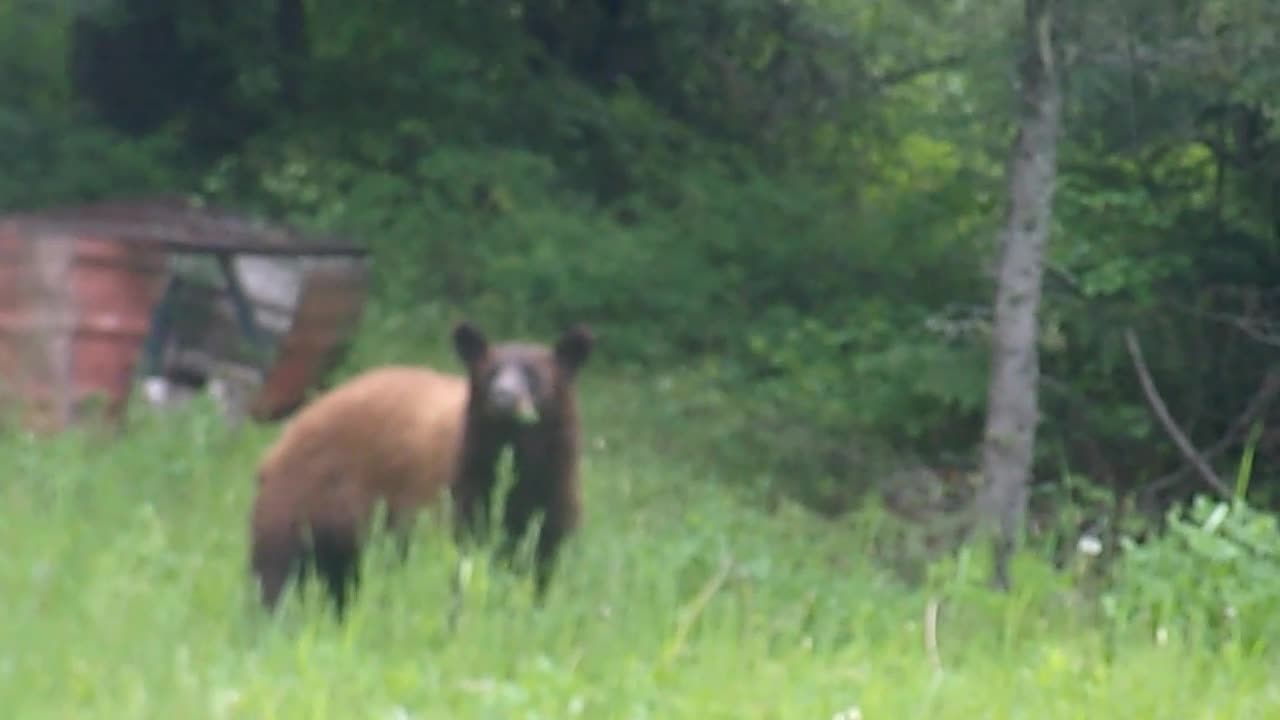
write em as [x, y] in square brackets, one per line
[392, 432]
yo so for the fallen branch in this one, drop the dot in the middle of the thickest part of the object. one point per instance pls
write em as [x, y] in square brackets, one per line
[1267, 392]
[1161, 411]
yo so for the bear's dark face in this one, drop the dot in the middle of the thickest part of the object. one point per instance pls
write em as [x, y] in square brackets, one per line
[521, 382]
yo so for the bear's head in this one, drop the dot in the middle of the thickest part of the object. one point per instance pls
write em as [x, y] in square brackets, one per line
[521, 382]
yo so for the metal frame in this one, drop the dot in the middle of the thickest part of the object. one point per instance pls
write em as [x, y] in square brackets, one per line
[162, 317]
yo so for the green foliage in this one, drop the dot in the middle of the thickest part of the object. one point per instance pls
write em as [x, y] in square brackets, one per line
[33, 36]
[1211, 576]
[49, 154]
[50, 161]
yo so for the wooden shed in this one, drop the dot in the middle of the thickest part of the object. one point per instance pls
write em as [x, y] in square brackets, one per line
[92, 297]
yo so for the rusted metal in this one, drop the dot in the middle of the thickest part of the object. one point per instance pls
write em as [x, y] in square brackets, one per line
[327, 312]
[302, 311]
[73, 313]
[84, 289]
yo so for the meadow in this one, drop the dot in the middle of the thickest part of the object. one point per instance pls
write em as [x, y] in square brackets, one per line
[126, 596]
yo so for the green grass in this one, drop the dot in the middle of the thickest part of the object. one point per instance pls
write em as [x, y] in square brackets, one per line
[126, 596]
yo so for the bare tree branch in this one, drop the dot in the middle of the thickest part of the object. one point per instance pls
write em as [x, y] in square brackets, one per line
[1258, 329]
[1264, 337]
[889, 78]
[1161, 411]
[1267, 392]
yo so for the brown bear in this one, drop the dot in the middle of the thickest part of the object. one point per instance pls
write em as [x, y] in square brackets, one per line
[401, 437]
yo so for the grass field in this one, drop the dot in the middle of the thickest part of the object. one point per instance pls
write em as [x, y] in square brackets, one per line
[126, 596]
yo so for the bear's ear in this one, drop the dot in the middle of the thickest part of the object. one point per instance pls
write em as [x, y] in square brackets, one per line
[470, 343]
[574, 347]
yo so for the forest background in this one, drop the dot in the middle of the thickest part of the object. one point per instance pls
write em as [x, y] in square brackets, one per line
[780, 216]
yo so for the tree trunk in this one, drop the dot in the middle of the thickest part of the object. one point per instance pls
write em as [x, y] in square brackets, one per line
[1012, 400]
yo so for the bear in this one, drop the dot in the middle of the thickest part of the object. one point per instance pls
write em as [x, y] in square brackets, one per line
[402, 437]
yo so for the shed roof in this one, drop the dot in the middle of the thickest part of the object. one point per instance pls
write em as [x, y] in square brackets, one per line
[182, 224]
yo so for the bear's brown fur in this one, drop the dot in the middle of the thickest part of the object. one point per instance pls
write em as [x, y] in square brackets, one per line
[405, 435]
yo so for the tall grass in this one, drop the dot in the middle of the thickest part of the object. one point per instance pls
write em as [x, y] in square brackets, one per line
[125, 595]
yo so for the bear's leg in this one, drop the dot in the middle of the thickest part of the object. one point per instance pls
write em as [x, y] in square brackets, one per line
[276, 554]
[401, 526]
[338, 564]
[472, 503]
[546, 553]
[522, 506]
[516, 518]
